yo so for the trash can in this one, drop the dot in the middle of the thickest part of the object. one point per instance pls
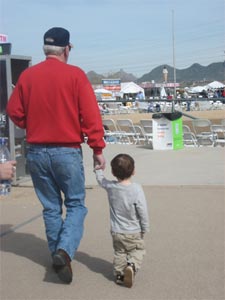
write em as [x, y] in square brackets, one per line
[167, 131]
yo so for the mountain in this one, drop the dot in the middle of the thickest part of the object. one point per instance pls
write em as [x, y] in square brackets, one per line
[123, 76]
[94, 77]
[194, 73]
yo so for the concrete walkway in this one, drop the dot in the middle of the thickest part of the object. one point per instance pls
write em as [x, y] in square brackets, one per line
[185, 248]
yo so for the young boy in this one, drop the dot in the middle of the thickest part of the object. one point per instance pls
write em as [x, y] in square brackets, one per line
[128, 217]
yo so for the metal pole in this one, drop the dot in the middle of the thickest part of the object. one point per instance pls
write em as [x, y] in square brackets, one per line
[174, 63]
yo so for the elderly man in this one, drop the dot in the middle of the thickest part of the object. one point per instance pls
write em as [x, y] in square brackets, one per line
[55, 103]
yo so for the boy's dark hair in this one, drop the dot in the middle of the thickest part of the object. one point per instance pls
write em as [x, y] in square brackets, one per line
[122, 166]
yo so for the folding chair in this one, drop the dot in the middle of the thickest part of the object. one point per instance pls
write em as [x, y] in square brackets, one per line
[141, 135]
[222, 122]
[186, 128]
[112, 134]
[146, 125]
[189, 138]
[218, 134]
[202, 131]
[129, 133]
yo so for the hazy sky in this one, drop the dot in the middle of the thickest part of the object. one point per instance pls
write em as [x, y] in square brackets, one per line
[109, 35]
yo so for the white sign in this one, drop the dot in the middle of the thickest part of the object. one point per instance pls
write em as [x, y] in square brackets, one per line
[3, 38]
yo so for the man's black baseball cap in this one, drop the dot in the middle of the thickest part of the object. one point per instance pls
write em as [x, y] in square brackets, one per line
[57, 36]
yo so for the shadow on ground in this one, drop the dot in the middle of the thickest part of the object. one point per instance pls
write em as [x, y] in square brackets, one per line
[36, 249]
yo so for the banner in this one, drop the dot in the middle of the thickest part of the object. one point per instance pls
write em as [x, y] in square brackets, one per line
[112, 84]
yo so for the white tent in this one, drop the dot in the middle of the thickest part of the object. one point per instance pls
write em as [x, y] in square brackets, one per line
[215, 85]
[103, 94]
[103, 91]
[196, 89]
[131, 88]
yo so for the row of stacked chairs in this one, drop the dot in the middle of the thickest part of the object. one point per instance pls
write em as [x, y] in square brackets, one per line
[124, 131]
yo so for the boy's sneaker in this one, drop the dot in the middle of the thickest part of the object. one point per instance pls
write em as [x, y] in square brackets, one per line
[133, 267]
[128, 276]
[119, 279]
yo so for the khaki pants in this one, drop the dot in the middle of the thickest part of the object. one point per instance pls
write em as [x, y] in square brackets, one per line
[127, 248]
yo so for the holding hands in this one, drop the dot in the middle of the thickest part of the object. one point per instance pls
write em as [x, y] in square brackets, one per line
[99, 161]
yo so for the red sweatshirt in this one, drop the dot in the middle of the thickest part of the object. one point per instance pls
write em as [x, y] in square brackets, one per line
[55, 103]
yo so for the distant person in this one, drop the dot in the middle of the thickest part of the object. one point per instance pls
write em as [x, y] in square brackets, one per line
[204, 94]
[140, 96]
[108, 137]
[150, 107]
[188, 105]
[216, 94]
[223, 93]
[7, 170]
[56, 104]
[103, 108]
[158, 107]
[185, 95]
[128, 217]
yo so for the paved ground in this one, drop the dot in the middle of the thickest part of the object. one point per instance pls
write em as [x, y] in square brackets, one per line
[185, 259]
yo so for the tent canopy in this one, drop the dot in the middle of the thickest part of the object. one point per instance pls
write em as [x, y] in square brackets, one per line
[103, 91]
[103, 94]
[215, 85]
[131, 88]
[196, 89]
[212, 85]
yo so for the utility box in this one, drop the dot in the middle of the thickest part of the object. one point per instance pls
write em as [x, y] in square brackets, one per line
[167, 131]
[11, 66]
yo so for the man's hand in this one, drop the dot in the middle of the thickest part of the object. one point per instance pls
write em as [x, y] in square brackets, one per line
[99, 161]
[7, 170]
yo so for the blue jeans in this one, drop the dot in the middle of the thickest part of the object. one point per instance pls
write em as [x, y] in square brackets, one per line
[58, 171]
